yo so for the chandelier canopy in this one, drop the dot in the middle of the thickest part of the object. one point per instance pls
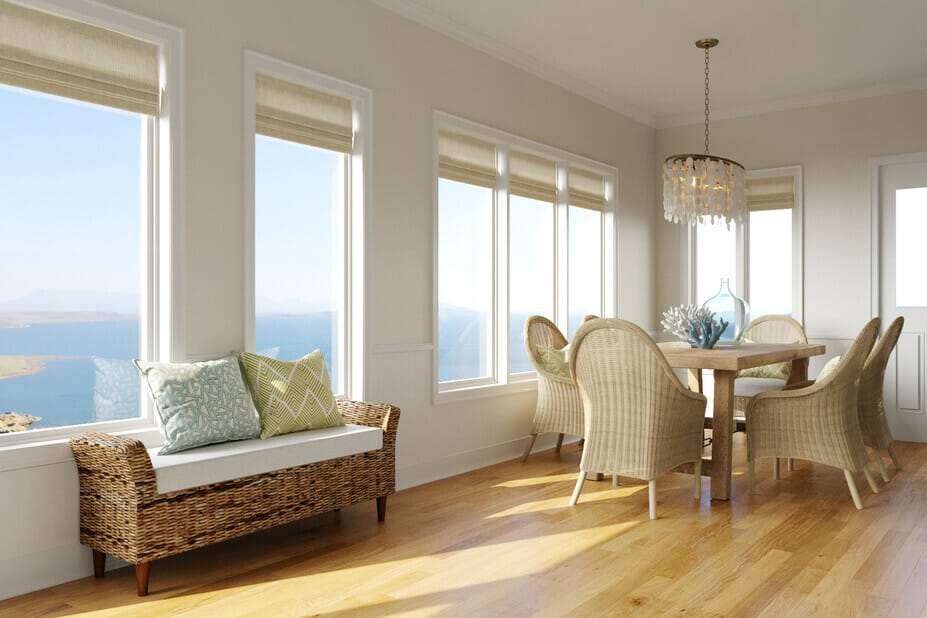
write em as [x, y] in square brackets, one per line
[704, 188]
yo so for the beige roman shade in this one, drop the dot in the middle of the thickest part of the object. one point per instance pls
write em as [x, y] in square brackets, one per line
[532, 176]
[770, 193]
[587, 189]
[299, 114]
[466, 159]
[68, 58]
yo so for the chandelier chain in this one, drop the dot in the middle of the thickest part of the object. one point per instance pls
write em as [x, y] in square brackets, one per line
[706, 100]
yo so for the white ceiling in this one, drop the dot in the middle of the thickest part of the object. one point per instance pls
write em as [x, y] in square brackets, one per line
[638, 56]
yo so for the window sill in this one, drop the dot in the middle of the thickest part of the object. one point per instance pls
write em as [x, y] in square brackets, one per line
[55, 451]
[483, 391]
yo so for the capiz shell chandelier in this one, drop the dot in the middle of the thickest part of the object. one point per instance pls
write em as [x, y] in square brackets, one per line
[704, 188]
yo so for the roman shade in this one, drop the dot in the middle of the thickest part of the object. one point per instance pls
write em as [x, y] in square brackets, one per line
[296, 113]
[587, 189]
[532, 176]
[69, 58]
[466, 159]
[770, 193]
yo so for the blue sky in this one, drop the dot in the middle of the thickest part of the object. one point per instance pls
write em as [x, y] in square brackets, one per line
[71, 208]
[70, 199]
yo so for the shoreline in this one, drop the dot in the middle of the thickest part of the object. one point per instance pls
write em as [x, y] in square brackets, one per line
[17, 365]
[24, 319]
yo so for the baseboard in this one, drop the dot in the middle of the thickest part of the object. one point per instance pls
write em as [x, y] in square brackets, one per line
[35, 571]
[459, 463]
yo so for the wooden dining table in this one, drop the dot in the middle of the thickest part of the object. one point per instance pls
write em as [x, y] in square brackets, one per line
[725, 362]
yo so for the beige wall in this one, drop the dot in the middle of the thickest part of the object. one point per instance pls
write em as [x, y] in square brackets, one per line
[411, 71]
[834, 144]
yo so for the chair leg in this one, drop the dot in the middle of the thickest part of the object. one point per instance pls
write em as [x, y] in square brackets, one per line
[579, 487]
[141, 578]
[524, 456]
[791, 465]
[891, 453]
[559, 443]
[776, 469]
[870, 480]
[582, 443]
[751, 473]
[614, 480]
[853, 491]
[381, 508]
[99, 563]
[697, 486]
[652, 486]
[882, 469]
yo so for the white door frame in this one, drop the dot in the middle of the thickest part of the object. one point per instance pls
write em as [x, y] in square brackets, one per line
[875, 216]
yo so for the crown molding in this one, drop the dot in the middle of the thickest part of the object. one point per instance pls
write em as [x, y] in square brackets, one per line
[414, 11]
[780, 105]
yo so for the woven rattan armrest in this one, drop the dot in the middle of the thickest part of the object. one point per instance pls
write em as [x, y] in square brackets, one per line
[118, 463]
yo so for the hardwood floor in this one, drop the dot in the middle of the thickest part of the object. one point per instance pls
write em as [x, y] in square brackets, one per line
[502, 541]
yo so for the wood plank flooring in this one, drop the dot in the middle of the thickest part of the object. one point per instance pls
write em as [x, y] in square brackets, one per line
[502, 541]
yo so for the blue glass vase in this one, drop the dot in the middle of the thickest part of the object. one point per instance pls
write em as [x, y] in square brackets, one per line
[734, 310]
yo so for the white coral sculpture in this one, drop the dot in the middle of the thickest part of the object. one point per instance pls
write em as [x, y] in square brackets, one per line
[680, 319]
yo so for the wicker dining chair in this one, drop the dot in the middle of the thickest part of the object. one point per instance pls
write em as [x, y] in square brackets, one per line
[818, 423]
[559, 408]
[640, 420]
[766, 329]
[872, 421]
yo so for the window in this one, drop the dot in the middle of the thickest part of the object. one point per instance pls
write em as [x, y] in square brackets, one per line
[305, 236]
[762, 258]
[910, 249]
[83, 111]
[522, 229]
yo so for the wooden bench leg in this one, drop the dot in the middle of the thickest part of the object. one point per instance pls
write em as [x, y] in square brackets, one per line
[99, 563]
[381, 508]
[141, 578]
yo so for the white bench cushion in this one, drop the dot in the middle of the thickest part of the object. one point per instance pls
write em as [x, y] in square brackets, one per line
[232, 460]
[748, 387]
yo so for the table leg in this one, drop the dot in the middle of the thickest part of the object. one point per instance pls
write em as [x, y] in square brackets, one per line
[799, 371]
[722, 430]
[695, 380]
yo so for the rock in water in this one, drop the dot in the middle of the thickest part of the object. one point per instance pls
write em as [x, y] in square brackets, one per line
[14, 421]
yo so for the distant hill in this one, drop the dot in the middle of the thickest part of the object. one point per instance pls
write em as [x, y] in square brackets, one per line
[64, 300]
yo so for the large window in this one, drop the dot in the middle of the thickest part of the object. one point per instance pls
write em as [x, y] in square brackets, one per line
[308, 181]
[80, 123]
[762, 258]
[522, 230]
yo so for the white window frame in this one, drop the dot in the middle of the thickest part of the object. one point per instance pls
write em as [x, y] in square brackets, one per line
[742, 279]
[500, 381]
[161, 323]
[358, 176]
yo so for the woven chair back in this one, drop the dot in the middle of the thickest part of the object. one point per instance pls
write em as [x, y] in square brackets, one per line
[871, 404]
[635, 407]
[776, 329]
[850, 367]
[541, 331]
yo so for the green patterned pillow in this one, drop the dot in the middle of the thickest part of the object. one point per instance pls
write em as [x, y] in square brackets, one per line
[291, 395]
[830, 367]
[554, 360]
[774, 371]
[200, 403]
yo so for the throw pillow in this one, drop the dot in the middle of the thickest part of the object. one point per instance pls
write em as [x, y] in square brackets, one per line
[554, 361]
[830, 367]
[115, 389]
[201, 403]
[774, 371]
[291, 395]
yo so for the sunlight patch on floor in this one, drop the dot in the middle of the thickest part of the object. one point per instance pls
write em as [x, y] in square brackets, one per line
[557, 503]
[538, 480]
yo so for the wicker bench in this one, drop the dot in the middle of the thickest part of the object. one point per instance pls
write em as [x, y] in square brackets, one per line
[123, 515]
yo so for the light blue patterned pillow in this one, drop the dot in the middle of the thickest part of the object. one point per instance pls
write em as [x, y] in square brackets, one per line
[201, 403]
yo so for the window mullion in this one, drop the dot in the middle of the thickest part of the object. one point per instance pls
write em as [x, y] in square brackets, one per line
[500, 346]
[561, 251]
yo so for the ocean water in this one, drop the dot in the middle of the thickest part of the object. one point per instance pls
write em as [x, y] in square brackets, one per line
[63, 392]
[67, 391]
